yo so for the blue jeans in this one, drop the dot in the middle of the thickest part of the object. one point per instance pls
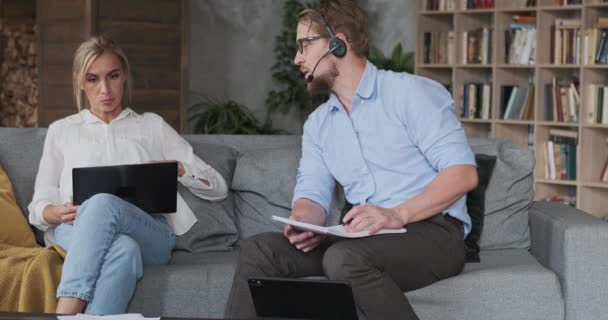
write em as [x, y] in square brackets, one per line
[107, 246]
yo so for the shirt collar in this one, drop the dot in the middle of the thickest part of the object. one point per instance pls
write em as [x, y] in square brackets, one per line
[366, 87]
[89, 117]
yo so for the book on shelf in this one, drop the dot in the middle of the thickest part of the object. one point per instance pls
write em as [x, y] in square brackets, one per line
[567, 2]
[531, 138]
[524, 19]
[595, 44]
[440, 5]
[604, 176]
[596, 108]
[560, 154]
[562, 100]
[477, 46]
[523, 3]
[566, 41]
[478, 4]
[601, 53]
[435, 45]
[476, 101]
[517, 103]
[520, 41]
[604, 172]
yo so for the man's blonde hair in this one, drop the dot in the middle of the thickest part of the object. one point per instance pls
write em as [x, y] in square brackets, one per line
[86, 53]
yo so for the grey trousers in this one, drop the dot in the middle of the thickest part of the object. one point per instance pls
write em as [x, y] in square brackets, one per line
[379, 268]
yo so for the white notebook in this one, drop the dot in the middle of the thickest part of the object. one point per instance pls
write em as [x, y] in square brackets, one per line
[338, 230]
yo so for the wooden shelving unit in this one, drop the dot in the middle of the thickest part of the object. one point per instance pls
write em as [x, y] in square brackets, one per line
[592, 151]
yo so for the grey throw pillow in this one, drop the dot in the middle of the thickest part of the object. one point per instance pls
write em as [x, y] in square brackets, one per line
[264, 181]
[508, 196]
[215, 229]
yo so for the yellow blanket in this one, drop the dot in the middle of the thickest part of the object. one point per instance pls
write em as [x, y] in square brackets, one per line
[29, 278]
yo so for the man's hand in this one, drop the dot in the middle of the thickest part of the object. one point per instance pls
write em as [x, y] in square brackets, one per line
[56, 214]
[373, 219]
[310, 212]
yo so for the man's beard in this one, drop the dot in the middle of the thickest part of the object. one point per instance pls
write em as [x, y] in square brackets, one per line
[324, 83]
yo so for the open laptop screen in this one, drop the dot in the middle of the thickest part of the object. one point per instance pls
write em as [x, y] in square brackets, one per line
[151, 186]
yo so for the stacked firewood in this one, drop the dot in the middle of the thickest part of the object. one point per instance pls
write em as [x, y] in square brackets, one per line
[18, 75]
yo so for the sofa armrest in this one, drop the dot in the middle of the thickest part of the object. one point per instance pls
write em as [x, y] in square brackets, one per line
[574, 245]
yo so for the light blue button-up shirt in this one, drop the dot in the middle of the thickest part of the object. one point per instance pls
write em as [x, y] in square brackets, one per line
[401, 132]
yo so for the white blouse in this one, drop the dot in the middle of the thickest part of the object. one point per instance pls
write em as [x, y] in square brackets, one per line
[83, 140]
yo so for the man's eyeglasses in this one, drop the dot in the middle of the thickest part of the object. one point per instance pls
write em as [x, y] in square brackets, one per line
[300, 42]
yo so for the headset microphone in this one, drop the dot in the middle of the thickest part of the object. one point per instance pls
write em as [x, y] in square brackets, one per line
[311, 77]
[336, 46]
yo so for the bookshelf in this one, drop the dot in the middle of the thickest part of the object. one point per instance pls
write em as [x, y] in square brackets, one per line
[568, 78]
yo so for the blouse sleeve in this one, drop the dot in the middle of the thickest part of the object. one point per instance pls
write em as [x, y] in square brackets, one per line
[46, 188]
[175, 147]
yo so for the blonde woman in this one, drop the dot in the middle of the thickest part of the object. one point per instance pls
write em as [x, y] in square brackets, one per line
[107, 239]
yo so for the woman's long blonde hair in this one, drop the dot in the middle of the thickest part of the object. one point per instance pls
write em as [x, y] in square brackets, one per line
[86, 53]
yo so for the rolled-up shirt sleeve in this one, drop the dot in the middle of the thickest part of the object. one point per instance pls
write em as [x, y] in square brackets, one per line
[433, 126]
[314, 181]
[175, 147]
[46, 188]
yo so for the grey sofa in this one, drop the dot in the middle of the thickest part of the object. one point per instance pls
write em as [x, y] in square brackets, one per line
[538, 260]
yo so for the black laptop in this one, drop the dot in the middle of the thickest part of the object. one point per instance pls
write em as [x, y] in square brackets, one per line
[151, 186]
[302, 299]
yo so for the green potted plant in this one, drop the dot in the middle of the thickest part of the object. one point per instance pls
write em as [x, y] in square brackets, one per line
[399, 60]
[217, 116]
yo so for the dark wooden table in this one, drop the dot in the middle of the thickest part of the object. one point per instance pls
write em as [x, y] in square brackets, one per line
[50, 316]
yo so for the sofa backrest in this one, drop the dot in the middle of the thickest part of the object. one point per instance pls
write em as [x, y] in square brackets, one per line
[261, 171]
[20, 153]
[264, 179]
[265, 174]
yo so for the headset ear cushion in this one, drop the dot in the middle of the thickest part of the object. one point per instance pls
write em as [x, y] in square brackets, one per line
[340, 47]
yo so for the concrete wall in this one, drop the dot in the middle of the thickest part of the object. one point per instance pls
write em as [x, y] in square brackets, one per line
[232, 42]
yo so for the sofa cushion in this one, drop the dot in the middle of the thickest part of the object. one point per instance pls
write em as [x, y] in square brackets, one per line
[187, 290]
[506, 284]
[476, 204]
[508, 196]
[216, 228]
[263, 183]
[14, 229]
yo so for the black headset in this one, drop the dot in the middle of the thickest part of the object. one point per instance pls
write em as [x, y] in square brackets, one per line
[336, 45]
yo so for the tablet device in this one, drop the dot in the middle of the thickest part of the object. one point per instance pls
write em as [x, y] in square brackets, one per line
[151, 186]
[302, 298]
